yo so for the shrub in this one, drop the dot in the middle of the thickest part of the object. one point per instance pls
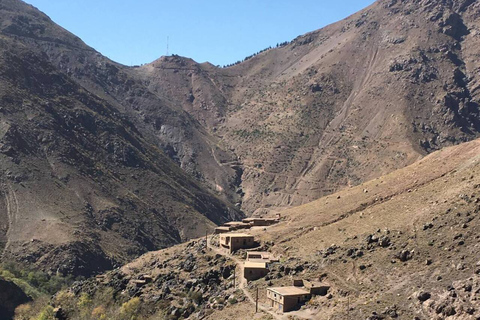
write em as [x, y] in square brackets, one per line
[23, 312]
[36, 279]
[130, 308]
[46, 314]
[99, 313]
[7, 274]
[65, 299]
[84, 300]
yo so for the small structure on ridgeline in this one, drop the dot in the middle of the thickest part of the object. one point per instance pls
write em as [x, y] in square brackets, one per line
[286, 299]
[234, 241]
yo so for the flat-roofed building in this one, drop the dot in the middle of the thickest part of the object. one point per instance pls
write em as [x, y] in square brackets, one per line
[260, 222]
[234, 241]
[237, 225]
[219, 230]
[260, 256]
[254, 270]
[316, 287]
[286, 299]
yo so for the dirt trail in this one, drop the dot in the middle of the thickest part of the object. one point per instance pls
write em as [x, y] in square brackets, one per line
[243, 282]
[12, 213]
[330, 136]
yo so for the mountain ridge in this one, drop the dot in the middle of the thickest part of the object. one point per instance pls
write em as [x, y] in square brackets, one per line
[331, 109]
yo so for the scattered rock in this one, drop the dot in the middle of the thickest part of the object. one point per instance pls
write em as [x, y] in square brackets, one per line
[423, 296]
[404, 255]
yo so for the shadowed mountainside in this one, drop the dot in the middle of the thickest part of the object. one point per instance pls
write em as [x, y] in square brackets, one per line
[338, 106]
[401, 246]
[90, 145]
[82, 189]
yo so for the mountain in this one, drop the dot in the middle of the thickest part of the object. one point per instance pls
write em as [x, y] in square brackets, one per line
[150, 151]
[357, 134]
[82, 188]
[340, 105]
[401, 246]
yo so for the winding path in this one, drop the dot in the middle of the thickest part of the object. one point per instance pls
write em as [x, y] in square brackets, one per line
[11, 203]
[243, 282]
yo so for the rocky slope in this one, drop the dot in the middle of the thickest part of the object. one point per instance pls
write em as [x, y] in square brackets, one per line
[340, 105]
[103, 142]
[402, 246]
[332, 108]
[82, 188]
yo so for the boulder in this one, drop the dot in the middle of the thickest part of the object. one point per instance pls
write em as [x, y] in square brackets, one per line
[423, 296]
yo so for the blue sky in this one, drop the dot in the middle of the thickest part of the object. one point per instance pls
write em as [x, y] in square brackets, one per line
[219, 31]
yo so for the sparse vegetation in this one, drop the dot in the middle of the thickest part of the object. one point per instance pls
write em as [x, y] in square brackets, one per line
[282, 44]
[33, 282]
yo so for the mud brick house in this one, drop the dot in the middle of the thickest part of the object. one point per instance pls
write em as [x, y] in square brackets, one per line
[219, 230]
[286, 299]
[254, 270]
[260, 222]
[234, 241]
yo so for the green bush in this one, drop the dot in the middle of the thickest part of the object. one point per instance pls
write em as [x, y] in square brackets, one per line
[129, 309]
[46, 314]
[84, 301]
[36, 279]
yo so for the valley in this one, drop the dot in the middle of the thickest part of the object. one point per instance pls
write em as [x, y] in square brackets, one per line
[361, 136]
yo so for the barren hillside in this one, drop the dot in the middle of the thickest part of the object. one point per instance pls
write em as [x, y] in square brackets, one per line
[341, 105]
[405, 245]
[82, 190]
[106, 161]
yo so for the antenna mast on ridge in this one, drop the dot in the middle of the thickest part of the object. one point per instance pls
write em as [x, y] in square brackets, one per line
[167, 45]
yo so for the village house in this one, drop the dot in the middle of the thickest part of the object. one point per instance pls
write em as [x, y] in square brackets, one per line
[289, 298]
[260, 256]
[254, 270]
[260, 222]
[237, 225]
[286, 299]
[234, 241]
[316, 288]
[219, 230]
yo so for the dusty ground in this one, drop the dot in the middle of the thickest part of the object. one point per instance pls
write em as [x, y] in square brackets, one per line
[379, 245]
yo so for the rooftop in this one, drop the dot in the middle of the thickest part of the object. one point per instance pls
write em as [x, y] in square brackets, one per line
[255, 265]
[289, 291]
[237, 235]
[222, 228]
[315, 284]
[235, 223]
[262, 253]
[259, 260]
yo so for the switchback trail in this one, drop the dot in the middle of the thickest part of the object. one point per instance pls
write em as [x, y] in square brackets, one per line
[243, 282]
